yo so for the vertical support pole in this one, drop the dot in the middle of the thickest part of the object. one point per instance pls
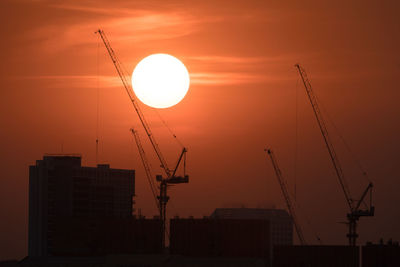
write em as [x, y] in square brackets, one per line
[163, 200]
[352, 235]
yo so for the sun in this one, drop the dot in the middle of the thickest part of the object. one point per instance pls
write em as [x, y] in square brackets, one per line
[160, 80]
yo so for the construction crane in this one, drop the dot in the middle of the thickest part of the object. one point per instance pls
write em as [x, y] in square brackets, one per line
[285, 194]
[354, 206]
[170, 174]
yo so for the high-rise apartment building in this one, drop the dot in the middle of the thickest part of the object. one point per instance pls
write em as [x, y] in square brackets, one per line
[60, 189]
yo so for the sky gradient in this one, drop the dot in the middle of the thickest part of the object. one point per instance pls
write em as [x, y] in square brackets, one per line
[244, 96]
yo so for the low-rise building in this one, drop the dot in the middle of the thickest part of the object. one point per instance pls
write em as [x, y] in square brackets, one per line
[280, 221]
[315, 256]
[382, 255]
[228, 238]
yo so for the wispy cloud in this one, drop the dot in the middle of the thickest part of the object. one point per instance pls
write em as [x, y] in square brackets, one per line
[76, 81]
[230, 78]
[234, 59]
[138, 26]
[222, 78]
[220, 70]
[92, 81]
[129, 25]
[94, 9]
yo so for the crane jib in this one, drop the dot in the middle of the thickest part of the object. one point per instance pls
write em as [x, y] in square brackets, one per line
[135, 105]
[355, 212]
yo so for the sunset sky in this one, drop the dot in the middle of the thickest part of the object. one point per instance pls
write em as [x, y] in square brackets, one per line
[243, 97]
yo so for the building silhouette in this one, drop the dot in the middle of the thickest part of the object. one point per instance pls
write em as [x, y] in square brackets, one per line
[63, 195]
[316, 256]
[232, 233]
[81, 216]
[382, 255]
[225, 238]
[281, 225]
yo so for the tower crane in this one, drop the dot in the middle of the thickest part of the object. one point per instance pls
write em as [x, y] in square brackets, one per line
[285, 194]
[355, 212]
[170, 174]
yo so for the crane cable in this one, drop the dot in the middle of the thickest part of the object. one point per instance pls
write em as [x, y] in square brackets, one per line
[169, 128]
[294, 195]
[296, 140]
[310, 226]
[347, 146]
[175, 138]
[352, 154]
[98, 100]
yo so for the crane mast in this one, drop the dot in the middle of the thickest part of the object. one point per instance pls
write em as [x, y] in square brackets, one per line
[355, 212]
[171, 177]
[285, 194]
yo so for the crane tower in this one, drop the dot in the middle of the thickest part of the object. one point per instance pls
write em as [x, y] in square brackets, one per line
[170, 174]
[355, 212]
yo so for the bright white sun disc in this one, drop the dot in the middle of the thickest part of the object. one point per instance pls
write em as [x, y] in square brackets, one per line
[160, 80]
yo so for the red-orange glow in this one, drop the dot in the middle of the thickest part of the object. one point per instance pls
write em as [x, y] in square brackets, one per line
[56, 79]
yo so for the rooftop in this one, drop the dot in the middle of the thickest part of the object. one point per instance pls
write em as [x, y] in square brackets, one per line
[249, 213]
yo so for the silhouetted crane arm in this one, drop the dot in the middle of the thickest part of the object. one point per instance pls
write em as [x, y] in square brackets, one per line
[369, 187]
[146, 165]
[324, 131]
[132, 97]
[184, 150]
[285, 194]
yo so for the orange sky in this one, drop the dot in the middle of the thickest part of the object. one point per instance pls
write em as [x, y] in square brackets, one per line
[240, 55]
